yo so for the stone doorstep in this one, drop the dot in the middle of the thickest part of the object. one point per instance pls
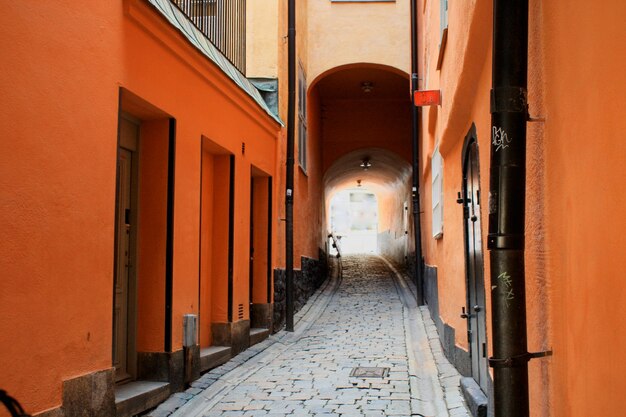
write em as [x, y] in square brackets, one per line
[474, 396]
[214, 356]
[138, 396]
[258, 335]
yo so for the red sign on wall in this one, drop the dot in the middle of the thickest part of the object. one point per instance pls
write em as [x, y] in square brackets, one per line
[427, 98]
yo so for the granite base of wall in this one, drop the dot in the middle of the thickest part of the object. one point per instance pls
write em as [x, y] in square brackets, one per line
[91, 395]
[409, 263]
[192, 370]
[278, 315]
[431, 295]
[261, 315]
[236, 335]
[306, 281]
[162, 367]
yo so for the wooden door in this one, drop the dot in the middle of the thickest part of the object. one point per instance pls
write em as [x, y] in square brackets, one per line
[477, 332]
[124, 251]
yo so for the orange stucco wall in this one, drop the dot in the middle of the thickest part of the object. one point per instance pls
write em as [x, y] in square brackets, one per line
[198, 114]
[260, 213]
[464, 80]
[219, 243]
[574, 174]
[60, 87]
[56, 211]
[307, 209]
[584, 67]
[208, 227]
[152, 236]
[309, 202]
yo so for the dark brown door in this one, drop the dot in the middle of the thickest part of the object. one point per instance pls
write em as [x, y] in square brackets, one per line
[475, 274]
[123, 311]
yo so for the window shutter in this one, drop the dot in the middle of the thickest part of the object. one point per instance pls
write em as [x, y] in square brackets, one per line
[437, 193]
[302, 127]
[443, 20]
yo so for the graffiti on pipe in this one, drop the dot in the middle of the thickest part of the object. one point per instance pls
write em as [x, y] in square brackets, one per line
[505, 279]
[501, 139]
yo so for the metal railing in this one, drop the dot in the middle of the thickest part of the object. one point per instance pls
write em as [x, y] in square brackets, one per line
[335, 243]
[335, 265]
[223, 22]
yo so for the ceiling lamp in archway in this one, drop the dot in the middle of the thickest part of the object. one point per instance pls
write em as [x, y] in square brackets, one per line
[367, 86]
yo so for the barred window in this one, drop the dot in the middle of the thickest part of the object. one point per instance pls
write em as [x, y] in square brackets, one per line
[302, 134]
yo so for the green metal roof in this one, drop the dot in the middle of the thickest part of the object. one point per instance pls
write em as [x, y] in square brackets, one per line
[180, 21]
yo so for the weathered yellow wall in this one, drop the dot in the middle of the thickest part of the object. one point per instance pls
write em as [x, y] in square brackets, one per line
[261, 44]
[347, 33]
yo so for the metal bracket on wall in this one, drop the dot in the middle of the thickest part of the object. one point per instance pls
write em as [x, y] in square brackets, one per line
[462, 200]
[519, 360]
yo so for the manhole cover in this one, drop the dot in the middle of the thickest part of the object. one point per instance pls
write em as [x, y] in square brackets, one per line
[365, 372]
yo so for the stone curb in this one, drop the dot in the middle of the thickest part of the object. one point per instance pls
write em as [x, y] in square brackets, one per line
[219, 381]
[444, 378]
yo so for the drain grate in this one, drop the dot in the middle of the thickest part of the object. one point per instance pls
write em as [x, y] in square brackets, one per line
[369, 372]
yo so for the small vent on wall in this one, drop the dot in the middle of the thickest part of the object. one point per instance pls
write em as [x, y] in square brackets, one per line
[240, 311]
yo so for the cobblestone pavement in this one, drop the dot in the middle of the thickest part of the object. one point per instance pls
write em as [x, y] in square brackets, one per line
[367, 319]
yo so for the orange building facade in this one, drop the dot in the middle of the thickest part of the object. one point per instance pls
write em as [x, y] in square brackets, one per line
[574, 229]
[143, 188]
[138, 205]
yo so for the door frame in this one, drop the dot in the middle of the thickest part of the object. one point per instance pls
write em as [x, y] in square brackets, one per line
[471, 139]
[131, 340]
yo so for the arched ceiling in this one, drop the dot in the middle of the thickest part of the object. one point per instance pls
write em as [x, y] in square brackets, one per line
[387, 172]
[347, 83]
[357, 124]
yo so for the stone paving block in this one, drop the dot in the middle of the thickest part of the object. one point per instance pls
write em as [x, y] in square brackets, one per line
[230, 407]
[172, 403]
[374, 413]
[308, 373]
[233, 414]
[459, 412]
[159, 413]
[255, 413]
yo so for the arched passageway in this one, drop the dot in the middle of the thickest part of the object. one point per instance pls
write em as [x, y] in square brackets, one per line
[360, 117]
[385, 177]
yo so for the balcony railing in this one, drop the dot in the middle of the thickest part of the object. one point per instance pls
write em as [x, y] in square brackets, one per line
[223, 22]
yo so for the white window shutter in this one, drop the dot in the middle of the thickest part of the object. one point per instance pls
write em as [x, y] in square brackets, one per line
[437, 193]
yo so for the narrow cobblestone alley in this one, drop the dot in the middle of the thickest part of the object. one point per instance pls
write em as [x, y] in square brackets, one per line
[360, 320]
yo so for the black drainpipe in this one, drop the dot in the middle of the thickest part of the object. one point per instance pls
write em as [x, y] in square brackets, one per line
[291, 106]
[507, 189]
[419, 280]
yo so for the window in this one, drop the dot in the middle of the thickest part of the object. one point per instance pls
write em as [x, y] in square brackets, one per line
[437, 190]
[443, 30]
[443, 22]
[302, 145]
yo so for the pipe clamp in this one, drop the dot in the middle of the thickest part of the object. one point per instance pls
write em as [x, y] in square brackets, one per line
[509, 100]
[517, 361]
